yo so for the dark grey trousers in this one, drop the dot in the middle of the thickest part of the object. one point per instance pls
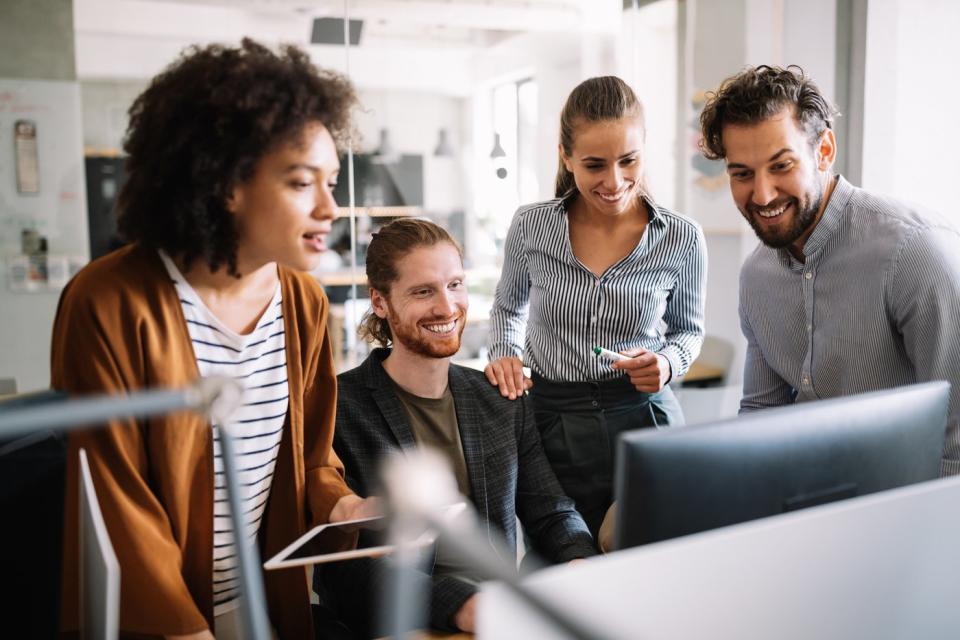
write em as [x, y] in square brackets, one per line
[579, 423]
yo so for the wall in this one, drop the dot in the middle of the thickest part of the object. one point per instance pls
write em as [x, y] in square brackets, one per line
[722, 37]
[37, 37]
[38, 81]
[648, 57]
[910, 130]
[105, 105]
[413, 120]
[557, 63]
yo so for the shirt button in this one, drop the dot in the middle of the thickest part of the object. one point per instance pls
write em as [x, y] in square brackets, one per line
[805, 380]
[809, 327]
[808, 275]
[595, 403]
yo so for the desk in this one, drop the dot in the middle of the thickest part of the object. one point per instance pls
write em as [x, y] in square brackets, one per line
[882, 566]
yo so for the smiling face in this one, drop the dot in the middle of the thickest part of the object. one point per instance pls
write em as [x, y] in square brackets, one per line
[778, 178]
[284, 211]
[426, 306]
[607, 163]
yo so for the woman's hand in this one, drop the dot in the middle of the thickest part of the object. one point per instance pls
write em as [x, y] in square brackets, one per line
[507, 375]
[648, 371]
[353, 507]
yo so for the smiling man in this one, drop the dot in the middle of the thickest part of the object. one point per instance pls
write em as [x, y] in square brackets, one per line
[851, 291]
[410, 395]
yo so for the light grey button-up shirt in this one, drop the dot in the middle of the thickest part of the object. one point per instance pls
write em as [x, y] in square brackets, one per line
[553, 310]
[876, 304]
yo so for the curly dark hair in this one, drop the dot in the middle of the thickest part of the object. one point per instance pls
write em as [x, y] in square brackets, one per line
[758, 93]
[199, 129]
[387, 247]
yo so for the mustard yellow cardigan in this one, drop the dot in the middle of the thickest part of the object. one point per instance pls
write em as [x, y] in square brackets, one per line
[119, 327]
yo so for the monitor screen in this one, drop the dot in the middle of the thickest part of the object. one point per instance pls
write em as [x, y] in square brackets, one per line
[675, 482]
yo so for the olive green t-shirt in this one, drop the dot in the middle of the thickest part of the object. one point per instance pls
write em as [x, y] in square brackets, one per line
[434, 424]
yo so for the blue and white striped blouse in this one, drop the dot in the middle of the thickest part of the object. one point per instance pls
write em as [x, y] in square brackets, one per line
[551, 310]
[258, 359]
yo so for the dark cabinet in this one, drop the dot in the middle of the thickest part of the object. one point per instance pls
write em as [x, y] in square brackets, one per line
[105, 177]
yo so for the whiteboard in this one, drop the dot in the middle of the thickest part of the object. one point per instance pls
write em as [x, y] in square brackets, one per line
[59, 210]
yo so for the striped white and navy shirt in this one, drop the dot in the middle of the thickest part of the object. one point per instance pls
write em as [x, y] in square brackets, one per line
[874, 305]
[552, 310]
[259, 360]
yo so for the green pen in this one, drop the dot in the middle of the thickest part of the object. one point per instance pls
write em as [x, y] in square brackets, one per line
[612, 356]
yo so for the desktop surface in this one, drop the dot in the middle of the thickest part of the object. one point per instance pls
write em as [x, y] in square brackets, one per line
[881, 567]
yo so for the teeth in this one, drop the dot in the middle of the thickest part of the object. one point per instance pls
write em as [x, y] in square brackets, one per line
[440, 328]
[611, 198]
[771, 213]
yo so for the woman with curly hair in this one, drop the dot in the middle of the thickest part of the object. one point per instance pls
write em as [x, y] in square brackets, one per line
[232, 164]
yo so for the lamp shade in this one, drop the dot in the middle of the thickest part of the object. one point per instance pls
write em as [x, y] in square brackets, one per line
[443, 149]
[497, 151]
[385, 148]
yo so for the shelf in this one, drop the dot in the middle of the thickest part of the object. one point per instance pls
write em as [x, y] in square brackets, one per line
[344, 278]
[383, 212]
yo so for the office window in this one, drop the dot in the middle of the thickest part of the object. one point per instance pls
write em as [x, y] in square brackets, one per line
[513, 176]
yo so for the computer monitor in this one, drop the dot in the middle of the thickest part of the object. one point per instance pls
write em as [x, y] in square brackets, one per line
[675, 482]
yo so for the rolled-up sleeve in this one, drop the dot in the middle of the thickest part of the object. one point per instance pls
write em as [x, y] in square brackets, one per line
[508, 316]
[684, 315]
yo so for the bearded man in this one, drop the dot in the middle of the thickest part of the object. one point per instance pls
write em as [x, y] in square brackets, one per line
[411, 395]
[851, 291]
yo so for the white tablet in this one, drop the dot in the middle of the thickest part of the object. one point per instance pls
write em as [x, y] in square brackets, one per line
[311, 547]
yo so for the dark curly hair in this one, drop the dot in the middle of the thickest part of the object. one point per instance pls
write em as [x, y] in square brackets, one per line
[758, 93]
[388, 245]
[594, 100]
[199, 129]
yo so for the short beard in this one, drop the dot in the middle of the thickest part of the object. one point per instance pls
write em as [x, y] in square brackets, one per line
[804, 218]
[415, 344]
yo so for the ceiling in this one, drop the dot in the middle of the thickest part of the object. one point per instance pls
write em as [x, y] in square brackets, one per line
[400, 41]
[416, 23]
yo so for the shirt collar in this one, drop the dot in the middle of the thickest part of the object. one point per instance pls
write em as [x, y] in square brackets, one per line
[830, 220]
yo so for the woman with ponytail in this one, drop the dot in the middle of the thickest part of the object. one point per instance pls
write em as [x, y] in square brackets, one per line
[600, 265]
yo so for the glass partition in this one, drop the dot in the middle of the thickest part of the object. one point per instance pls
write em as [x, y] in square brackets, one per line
[458, 117]
[458, 123]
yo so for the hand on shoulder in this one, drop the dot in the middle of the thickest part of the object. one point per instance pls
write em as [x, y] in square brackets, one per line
[507, 375]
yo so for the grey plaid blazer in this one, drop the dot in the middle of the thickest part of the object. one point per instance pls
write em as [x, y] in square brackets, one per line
[508, 472]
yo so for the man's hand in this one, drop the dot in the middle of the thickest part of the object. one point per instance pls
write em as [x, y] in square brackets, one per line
[466, 618]
[353, 507]
[648, 371]
[507, 375]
